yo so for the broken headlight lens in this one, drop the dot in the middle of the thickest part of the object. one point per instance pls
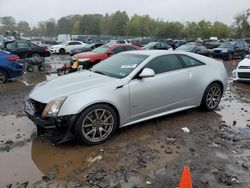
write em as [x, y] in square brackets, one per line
[53, 107]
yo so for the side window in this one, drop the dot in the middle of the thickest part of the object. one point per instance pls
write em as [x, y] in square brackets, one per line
[164, 64]
[190, 62]
[128, 48]
[11, 46]
[23, 45]
[118, 49]
[238, 45]
[71, 43]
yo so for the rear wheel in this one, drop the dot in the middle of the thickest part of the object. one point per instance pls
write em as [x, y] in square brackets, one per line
[211, 97]
[62, 51]
[96, 124]
[3, 76]
[30, 68]
[41, 68]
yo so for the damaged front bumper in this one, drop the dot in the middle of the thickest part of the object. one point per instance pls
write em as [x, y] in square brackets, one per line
[61, 126]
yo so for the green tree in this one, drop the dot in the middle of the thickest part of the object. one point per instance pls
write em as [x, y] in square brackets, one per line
[23, 27]
[7, 23]
[50, 27]
[220, 30]
[118, 23]
[241, 25]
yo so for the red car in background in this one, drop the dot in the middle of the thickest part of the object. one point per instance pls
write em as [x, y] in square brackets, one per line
[88, 59]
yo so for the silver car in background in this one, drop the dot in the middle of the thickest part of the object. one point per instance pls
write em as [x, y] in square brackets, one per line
[125, 89]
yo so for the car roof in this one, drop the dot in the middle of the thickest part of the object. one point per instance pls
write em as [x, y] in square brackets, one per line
[114, 45]
[153, 52]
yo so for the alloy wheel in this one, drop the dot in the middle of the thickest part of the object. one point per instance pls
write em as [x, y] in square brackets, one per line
[98, 125]
[213, 97]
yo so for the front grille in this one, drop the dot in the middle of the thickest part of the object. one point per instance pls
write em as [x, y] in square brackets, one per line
[244, 74]
[244, 67]
[37, 106]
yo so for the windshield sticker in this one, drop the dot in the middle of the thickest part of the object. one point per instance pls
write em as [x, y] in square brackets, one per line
[130, 66]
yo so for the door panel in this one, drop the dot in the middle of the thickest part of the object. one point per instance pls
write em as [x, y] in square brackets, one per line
[163, 92]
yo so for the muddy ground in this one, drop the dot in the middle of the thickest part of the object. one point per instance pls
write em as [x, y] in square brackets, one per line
[148, 154]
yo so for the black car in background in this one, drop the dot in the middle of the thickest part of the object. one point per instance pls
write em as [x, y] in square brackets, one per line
[210, 44]
[194, 47]
[25, 49]
[229, 50]
[248, 42]
[156, 46]
[86, 48]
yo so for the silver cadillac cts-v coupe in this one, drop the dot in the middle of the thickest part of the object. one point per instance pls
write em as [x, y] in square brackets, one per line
[126, 88]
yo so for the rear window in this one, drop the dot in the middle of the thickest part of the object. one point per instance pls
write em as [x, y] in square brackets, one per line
[189, 61]
[11, 46]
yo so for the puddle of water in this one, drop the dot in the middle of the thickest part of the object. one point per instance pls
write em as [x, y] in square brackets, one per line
[17, 166]
[234, 108]
[15, 128]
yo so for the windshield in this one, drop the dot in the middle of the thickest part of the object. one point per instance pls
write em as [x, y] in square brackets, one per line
[149, 45]
[188, 47]
[226, 45]
[120, 65]
[101, 49]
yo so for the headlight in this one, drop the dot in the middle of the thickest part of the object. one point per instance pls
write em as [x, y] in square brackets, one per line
[224, 51]
[53, 107]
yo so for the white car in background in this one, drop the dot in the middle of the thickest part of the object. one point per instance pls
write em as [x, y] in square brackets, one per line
[120, 42]
[242, 72]
[66, 47]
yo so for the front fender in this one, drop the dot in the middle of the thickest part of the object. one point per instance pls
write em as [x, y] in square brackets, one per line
[119, 98]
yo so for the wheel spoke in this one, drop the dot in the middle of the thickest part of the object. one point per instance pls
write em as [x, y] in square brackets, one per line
[94, 133]
[89, 119]
[96, 114]
[91, 131]
[87, 125]
[107, 118]
[103, 112]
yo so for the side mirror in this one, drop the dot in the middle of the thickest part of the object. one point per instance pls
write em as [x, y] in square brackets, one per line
[147, 72]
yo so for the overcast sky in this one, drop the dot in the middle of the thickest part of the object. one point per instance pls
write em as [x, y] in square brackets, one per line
[168, 10]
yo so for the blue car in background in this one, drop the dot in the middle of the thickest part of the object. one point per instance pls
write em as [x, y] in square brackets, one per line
[10, 66]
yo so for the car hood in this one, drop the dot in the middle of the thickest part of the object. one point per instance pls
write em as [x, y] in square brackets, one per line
[244, 62]
[87, 55]
[68, 85]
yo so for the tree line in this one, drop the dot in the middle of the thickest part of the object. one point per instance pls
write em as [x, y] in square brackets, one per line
[120, 24]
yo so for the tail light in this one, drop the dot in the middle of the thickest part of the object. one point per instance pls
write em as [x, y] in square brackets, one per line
[13, 58]
[46, 48]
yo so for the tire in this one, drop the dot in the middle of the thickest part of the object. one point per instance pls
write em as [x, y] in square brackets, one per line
[3, 76]
[211, 97]
[41, 68]
[62, 51]
[30, 68]
[96, 119]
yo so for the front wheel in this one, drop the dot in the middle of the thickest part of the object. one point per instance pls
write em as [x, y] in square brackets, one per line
[96, 124]
[3, 76]
[211, 97]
